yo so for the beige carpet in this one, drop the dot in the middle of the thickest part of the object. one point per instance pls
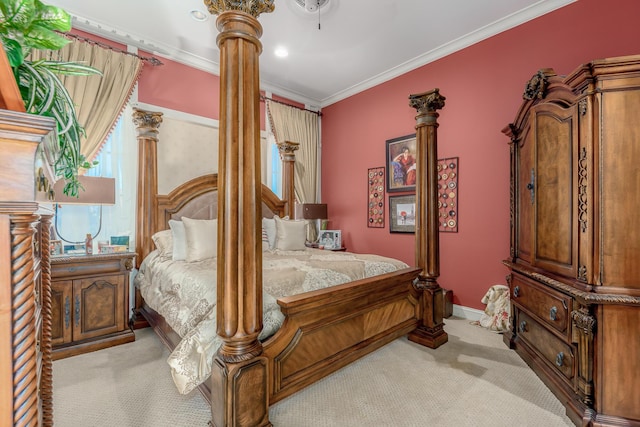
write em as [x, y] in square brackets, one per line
[473, 380]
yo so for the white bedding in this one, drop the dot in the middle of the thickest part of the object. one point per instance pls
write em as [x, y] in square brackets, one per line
[185, 295]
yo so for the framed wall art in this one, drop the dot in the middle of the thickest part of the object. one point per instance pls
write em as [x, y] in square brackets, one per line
[402, 214]
[401, 163]
[448, 173]
[375, 198]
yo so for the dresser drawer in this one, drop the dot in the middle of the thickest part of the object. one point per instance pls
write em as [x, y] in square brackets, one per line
[547, 305]
[558, 354]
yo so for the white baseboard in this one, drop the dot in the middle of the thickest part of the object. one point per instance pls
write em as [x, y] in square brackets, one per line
[466, 312]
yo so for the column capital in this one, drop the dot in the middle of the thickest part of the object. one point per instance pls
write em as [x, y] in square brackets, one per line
[427, 104]
[146, 120]
[251, 7]
[287, 147]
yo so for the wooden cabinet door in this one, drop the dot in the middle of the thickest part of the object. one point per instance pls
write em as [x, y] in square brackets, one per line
[61, 311]
[98, 306]
[553, 188]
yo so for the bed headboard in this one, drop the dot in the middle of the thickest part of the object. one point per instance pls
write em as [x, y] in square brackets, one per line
[196, 198]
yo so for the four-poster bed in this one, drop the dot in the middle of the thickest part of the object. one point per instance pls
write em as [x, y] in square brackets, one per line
[323, 330]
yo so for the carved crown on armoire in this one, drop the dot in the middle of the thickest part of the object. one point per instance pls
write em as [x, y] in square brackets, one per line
[575, 238]
[26, 377]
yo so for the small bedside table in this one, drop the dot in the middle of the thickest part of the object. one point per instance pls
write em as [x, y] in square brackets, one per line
[90, 302]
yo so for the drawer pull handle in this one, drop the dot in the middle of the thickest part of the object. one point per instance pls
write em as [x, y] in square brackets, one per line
[77, 314]
[523, 326]
[67, 312]
[516, 291]
[553, 313]
[559, 359]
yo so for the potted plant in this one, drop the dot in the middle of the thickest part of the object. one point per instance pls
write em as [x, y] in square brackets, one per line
[27, 25]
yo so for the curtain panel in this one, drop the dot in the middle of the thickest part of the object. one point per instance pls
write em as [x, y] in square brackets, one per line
[296, 125]
[99, 100]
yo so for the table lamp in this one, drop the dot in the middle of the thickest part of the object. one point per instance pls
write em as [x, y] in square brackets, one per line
[94, 191]
[314, 213]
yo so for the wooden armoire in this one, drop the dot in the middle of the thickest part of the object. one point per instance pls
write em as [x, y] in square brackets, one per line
[575, 238]
[26, 376]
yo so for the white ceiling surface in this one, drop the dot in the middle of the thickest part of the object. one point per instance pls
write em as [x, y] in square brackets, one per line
[361, 43]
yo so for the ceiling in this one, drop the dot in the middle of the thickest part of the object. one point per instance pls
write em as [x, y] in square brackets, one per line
[360, 43]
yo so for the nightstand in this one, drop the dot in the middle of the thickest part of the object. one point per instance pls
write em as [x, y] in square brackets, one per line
[90, 308]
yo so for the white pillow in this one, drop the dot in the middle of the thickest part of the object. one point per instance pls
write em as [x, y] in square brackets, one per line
[269, 225]
[265, 240]
[179, 240]
[290, 235]
[202, 238]
[164, 242]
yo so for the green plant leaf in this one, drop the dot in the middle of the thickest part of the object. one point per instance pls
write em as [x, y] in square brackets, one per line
[18, 13]
[14, 52]
[41, 38]
[51, 17]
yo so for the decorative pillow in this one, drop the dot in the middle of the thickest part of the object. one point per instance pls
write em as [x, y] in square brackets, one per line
[265, 240]
[164, 242]
[179, 240]
[269, 225]
[290, 235]
[202, 238]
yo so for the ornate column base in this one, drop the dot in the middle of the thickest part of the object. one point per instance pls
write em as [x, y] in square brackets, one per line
[240, 393]
[431, 333]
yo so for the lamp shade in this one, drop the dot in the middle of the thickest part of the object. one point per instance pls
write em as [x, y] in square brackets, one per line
[97, 191]
[311, 211]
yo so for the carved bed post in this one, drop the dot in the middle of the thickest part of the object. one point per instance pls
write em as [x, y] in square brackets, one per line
[147, 124]
[431, 332]
[239, 377]
[287, 153]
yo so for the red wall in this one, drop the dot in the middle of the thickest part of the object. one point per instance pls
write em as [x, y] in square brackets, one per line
[483, 85]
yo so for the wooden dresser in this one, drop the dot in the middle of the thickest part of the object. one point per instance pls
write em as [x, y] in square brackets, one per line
[90, 302]
[26, 381]
[575, 238]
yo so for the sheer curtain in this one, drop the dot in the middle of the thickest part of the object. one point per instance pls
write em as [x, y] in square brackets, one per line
[296, 125]
[118, 160]
[99, 99]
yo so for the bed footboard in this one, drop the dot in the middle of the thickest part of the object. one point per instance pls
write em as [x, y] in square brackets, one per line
[327, 329]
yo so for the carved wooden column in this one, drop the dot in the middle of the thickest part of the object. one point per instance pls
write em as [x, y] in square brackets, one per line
[431, 332]
[147, 124]
[22, 356]
[25, 351]
[46, 384]
[287, 154]
[239, 377]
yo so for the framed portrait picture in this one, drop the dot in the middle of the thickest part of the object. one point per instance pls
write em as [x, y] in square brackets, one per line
[401, 163]
[55, 247]
[402, 214]
[330, 239]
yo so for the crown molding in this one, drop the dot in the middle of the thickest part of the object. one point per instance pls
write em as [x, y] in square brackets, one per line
[536, 10]
[518, 18]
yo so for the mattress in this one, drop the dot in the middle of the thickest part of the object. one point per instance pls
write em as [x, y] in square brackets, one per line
[184, 293]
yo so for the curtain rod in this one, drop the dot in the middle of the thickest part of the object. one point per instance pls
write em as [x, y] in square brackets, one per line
[150, 59]
[264, 98]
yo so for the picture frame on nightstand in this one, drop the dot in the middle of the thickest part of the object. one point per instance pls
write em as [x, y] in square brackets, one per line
[330, 239]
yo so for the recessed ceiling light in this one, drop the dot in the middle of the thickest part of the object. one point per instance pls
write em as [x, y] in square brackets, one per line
[281, 52]
[199, 15]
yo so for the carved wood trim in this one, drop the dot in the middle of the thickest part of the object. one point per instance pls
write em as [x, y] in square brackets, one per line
[587, 298]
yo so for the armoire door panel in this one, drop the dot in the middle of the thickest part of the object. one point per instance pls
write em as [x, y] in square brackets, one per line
[525, 196]
[555, 241]
[620, 182]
